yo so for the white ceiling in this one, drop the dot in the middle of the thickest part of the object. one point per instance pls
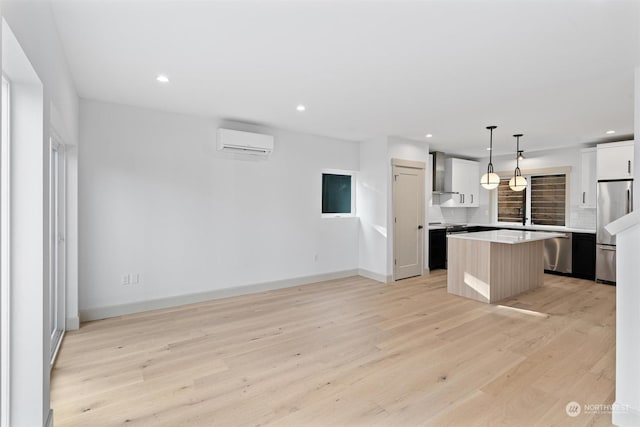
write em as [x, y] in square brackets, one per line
[561, 72]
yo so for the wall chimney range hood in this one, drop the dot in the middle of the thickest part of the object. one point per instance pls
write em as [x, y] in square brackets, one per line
[438, 170]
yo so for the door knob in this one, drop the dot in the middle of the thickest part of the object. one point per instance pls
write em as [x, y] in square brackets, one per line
[420, 227]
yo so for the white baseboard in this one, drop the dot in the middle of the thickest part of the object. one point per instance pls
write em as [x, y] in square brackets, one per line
[98, 313]
[374, 276]
[625, 415]
[72, 323]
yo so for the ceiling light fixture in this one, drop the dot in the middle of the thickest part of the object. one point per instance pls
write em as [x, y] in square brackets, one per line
[301, 108]
[610, 132]
[428, 135]
[521, 155]
[490, 180]
[162, 78]
[518, 182]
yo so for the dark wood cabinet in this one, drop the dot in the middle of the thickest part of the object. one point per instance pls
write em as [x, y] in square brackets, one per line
[484, 228]
[583, 262]
[437, 249]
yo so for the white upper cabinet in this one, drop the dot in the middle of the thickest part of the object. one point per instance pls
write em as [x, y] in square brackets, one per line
[589, 179]
[463, 178]
[615, 160]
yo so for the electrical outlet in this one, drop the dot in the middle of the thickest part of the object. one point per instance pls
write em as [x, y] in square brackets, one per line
[135, 278]
[125, 279]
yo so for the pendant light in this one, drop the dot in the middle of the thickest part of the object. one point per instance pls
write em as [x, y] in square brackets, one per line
[518, 182]
[490, 180]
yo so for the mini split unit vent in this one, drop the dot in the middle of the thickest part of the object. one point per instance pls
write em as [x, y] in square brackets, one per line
[244, 142]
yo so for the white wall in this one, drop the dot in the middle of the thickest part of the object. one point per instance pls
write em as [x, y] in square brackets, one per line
[158, 199]
[33, 24]
[375, 201]
[29, 346]
[636, 151]
[372, 209]
[34, 28]
[627, 300]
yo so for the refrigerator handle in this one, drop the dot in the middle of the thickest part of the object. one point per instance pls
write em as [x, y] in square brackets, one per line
[628, 201]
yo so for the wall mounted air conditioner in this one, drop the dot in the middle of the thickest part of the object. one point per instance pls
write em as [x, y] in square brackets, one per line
[237, 141]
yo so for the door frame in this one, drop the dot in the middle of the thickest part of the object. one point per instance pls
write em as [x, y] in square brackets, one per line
[411, 164]
[57, 242]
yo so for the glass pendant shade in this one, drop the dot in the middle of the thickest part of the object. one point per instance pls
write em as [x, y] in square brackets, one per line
[490, 181]
[518, 183]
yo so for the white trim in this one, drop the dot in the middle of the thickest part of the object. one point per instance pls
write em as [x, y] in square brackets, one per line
[49, 422]
[353, 175]
[630, 417]
[374, 276]
[414, 164]
[5, 265]
[97, 313]
[72, 323]
[623, 223]
[55, 352]
[57, 239]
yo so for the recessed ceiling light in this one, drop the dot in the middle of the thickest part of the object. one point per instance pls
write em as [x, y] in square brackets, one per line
[162, 78]
[488, 148]
[301, 108]
[610, 132]
[428, 135]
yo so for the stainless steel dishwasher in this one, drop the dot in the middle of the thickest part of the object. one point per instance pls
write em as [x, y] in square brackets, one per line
[558, 253]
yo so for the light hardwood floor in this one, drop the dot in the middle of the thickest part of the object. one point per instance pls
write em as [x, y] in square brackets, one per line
[347, 352]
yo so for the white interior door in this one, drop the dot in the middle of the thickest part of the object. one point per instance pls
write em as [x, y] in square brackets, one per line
[57, 283]
[408, 213]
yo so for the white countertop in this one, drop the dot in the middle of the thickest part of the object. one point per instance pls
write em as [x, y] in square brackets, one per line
[506, 236]
[556, 228]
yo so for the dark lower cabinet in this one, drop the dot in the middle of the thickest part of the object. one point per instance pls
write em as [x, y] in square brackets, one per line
[583, 262]
[437, 249]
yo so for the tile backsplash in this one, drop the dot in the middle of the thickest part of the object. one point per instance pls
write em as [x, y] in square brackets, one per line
[582, 217]
[578, 217]
[449, 215]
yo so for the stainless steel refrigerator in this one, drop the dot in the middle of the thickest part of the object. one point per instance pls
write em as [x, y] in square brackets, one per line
[615, 199]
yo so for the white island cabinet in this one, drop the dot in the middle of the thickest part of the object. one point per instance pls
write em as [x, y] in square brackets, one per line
[489, 266]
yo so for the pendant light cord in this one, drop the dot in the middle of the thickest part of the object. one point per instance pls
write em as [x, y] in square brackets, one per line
[517, 172]
[490, 165]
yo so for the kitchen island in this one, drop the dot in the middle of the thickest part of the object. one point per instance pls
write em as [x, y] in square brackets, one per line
[489, 266]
